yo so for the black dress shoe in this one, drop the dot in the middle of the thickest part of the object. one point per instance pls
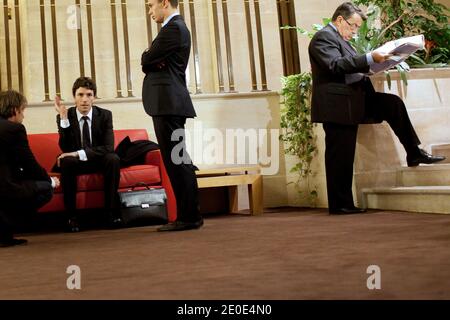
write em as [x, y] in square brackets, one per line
[180, 226]
[353, 210]
[73, 226]
[12, 242]
[422, 157]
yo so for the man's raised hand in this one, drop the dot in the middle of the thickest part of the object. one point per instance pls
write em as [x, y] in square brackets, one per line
[60, 108]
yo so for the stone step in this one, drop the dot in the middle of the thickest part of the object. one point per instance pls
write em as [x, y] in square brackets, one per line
[424, 199]
[424, 175]
[442, 149]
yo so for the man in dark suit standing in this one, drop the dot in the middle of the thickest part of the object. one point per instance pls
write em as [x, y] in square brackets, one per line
[86, 139]
[166, 99]
[343, 97]
[24, 185]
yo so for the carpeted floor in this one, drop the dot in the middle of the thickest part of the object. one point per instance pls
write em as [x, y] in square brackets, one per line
[289, 254]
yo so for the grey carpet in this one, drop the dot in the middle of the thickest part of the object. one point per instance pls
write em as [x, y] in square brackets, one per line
[288, 254]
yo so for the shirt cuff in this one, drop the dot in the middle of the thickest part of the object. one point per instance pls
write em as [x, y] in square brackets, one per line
[370, 59]
[65, 123]
[53, 182]
[82, 155]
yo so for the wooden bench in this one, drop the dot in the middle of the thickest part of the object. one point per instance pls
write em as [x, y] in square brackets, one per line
[232, 177]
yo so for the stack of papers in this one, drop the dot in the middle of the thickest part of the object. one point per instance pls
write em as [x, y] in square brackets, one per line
[400, 49]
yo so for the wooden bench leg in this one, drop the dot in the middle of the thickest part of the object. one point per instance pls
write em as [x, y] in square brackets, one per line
[255, 195]
[233, 199]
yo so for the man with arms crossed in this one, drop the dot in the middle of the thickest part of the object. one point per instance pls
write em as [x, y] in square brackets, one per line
[166, 99]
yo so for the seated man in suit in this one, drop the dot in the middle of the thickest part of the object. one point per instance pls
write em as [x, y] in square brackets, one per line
[24, 184]
[343, 97]
[86, 139]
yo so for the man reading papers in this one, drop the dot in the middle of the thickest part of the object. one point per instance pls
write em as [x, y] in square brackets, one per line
[343, 97]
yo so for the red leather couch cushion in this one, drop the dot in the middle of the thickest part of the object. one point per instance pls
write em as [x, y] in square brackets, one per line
[129, 177]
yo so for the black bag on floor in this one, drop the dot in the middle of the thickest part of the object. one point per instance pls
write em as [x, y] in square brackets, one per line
[147, 206]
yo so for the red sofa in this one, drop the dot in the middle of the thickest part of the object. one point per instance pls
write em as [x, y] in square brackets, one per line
[90, 186]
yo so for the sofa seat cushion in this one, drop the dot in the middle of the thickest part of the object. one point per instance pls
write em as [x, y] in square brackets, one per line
[129, 177]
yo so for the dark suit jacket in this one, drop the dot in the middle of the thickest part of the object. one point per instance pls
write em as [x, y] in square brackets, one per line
[134, 153]
[18, 166]
[332, 61]
[164, 91]
[102, 133]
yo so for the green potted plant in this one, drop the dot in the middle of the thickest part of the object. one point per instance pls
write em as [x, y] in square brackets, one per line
[298, 130]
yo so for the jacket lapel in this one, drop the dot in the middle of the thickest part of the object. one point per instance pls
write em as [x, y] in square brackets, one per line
[94, 125]
[349, 48]
[163, 28]
[345, 44]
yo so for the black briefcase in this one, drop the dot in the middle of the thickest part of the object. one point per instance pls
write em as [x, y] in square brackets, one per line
[147, 206]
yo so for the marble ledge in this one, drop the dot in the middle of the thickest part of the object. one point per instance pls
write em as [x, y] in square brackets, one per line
[416, 74]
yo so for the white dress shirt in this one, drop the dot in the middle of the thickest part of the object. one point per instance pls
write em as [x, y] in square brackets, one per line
[169, 18]
[65, 124]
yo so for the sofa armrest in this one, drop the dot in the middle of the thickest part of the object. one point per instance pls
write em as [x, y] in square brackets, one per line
[154, 158]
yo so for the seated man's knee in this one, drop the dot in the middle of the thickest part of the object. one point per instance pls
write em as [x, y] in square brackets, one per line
[397, 101]
[68, 163]
[392, 105]
[111, 159]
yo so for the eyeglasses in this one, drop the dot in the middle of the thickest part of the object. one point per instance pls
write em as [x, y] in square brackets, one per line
[354, 26]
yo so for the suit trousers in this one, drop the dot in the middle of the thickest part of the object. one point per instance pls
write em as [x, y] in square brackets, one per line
[12, 213]
[340, 143]
[170, 133]
[108, 165]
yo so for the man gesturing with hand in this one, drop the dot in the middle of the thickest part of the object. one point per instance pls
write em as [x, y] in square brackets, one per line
[86, 139]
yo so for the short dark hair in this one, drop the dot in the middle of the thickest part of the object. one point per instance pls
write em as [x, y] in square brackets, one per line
[346, 10]
[10, 102]
[173, 3]
[84, 82]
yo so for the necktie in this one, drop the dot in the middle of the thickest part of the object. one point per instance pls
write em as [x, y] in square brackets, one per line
[86, 135]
